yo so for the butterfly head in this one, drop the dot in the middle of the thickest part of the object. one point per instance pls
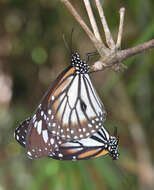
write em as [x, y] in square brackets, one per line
[80, 66]
[113, 147]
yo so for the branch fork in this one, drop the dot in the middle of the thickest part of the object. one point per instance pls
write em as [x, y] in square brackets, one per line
[110, 56]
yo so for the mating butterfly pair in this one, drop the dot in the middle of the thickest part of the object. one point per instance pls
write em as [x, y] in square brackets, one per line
[68, 123]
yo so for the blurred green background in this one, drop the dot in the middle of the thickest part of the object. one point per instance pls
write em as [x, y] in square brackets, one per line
[32, 54]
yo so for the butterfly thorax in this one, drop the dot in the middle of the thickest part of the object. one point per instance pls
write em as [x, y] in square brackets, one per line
[80, 65]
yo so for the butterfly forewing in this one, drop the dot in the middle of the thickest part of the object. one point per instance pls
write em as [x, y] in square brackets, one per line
[74, 108]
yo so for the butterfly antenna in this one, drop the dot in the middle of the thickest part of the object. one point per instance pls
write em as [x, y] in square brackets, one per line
[115, 131]
[71, 42]
[88, 55]
[66, 44]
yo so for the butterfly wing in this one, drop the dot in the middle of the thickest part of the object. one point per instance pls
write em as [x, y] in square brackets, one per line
[74, 108]
[69, 150]
[93, 147]
[39, 142]
[100, 144]
[34, 142]
[21, 132]
[71, 110]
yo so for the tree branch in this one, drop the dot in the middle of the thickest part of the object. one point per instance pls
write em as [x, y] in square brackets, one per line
[92, 20]
[111, 57]
[120, 56]
[108, 36]
[92, 37]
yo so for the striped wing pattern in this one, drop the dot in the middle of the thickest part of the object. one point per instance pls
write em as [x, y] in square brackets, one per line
[74, 109]
[93, 147]
[100, 144]
[69, 116]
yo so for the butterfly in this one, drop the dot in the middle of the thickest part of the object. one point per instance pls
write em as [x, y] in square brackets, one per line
[99, 144]
[74, 110]
[69, 110]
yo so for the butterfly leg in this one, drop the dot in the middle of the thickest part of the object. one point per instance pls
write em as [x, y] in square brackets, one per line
[88, 55]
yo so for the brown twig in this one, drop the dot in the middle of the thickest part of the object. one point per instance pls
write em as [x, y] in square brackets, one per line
[111, 57]
[121, 55]
[92, 37]
[109, 39]
[120, 32]
[92, 20]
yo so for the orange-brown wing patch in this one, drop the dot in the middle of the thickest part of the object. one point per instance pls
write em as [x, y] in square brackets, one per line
[70, 72]
[102, 153]
[88, 153]
[56, 92]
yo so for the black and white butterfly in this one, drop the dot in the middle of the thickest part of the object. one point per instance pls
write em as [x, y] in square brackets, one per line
[99, 144]
[70, 110]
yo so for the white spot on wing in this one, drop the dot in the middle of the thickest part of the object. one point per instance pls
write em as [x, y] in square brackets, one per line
[90, 125]
[54, 125]
[72, 131]
[45, 135]
[17, 137]
[29, 153]
[42, 112]
[49, 111]
[60, 155]
[35, 124]
[52, 141]
[84, 129]
[39, 127]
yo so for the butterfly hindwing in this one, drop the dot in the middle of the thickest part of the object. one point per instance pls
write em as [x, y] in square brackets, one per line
[39, 142]
[33, 142]
[93, 147]
[99, 144]
[21, 132]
